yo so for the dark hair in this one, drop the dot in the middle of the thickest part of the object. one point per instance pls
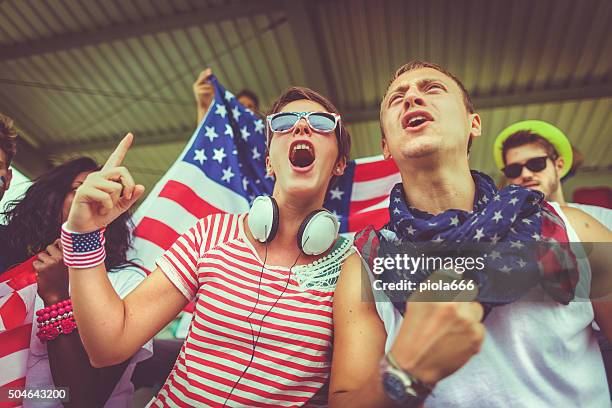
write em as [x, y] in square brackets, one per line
[298, 93]
[417, 64]
[249, 94]
[34, 222]
[8, 138]
[523, 137]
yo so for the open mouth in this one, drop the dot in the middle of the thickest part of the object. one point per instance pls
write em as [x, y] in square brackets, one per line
[415, 119]
[414, 122]
[301, 154]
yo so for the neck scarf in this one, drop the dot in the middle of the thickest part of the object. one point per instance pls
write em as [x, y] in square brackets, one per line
[505, 228]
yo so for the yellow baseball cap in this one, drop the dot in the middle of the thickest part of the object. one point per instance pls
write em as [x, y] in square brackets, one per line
[551, 133]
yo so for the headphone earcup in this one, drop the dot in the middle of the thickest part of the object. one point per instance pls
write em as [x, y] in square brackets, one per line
[318, 232]
[263, 218]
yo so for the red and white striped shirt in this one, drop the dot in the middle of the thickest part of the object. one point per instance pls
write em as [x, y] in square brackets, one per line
[215, 265]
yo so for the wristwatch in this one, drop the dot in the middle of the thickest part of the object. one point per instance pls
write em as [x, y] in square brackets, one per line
[401, 386]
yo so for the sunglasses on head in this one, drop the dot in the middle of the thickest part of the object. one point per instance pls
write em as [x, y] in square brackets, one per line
[284, 122]
[535, 164]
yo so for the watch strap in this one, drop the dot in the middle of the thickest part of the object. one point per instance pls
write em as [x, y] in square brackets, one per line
[421, 389]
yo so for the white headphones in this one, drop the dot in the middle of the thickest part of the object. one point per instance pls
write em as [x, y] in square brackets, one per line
[316, 234]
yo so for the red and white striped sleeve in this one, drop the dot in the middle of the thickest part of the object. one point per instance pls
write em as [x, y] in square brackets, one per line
[180, 261]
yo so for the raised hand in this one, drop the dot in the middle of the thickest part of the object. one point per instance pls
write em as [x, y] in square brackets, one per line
[105, 194]
[203, 89]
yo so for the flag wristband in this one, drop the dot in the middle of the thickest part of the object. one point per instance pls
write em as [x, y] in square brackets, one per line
[83, 250]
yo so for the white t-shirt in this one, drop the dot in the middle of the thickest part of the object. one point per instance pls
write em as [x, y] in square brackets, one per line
[39, 372]
[535, 353]
[601, 214]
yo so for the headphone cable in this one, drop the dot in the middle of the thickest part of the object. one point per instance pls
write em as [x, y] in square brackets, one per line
[256, 341]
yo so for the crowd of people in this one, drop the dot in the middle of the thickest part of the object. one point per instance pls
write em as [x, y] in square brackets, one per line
[285, 310]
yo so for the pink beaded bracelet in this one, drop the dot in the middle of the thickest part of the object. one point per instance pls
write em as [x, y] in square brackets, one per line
[55, 320]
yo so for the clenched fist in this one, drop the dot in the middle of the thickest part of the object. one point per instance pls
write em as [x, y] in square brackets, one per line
[438, 338]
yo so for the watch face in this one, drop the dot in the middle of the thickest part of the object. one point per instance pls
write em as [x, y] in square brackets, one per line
[394, 387]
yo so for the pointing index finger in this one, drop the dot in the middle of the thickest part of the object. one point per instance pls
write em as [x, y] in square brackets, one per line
[116, 157]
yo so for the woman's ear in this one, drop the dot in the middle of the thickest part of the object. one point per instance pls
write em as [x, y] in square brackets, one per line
[340, 167]
[269, 169]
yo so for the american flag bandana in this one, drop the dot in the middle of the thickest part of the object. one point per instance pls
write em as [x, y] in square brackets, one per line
[520, 238]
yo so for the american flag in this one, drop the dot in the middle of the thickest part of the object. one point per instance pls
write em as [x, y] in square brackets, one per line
[222, 169]
[17, 297]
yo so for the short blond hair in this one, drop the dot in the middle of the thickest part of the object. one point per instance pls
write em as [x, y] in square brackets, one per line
[411, 66]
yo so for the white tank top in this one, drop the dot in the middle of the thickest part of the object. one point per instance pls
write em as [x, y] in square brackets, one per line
[535, 354]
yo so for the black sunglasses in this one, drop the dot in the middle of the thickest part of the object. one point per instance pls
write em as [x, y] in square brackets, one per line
[536, 164]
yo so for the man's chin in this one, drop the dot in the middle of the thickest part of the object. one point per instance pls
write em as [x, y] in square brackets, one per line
[420, 148]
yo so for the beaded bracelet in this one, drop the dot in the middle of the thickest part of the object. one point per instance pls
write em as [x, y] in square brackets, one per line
[55, 320]
[83, 250]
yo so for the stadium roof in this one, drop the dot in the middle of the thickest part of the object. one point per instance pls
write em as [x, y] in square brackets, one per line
[77, 75]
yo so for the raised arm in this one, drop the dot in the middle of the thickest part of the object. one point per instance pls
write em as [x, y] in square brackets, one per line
[435, 340]
[113, 329]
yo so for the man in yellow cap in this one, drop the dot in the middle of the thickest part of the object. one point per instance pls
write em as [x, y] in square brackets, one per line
[537, 155]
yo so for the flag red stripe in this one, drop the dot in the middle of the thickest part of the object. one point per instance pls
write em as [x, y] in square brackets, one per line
[377, 218]
[13, 385]
[18, 383]
[21, 275]
[13, 312]
[374, 170]
[15, 340]
[188, 199]
[157, 232]
[356, 206]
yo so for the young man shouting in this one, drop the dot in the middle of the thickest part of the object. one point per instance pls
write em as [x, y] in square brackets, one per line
[535, 353]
